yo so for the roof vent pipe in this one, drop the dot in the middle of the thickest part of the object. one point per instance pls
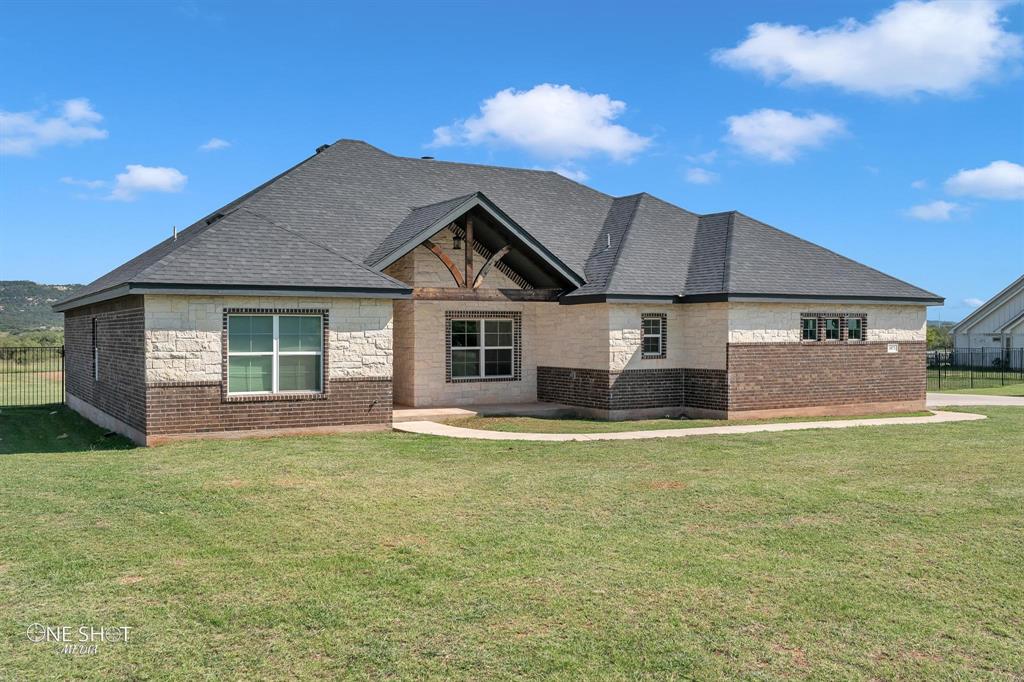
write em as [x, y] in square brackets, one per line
[609, 235]
[174, 233]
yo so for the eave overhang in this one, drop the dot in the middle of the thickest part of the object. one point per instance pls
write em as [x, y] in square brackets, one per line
[131, 289]
[760, 298]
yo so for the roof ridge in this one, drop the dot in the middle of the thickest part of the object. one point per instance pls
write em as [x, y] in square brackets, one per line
[834, 253]
[626, 230]
[473, 165]
[461, 197]
[666, 202]
[728, 248]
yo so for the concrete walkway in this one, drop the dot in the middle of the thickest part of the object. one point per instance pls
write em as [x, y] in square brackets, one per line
[436, 429]
[950, 399]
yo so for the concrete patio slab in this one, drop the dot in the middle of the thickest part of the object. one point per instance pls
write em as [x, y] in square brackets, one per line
[950, 399]
[436, 429]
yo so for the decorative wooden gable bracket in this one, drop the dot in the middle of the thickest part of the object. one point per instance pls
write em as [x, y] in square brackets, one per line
[448, 262]
[467, 281]
[495, 257]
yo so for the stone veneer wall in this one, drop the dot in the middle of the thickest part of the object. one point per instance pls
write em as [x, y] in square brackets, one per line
[184, 337]
[120, 390]
[780, 322]
[183, 334]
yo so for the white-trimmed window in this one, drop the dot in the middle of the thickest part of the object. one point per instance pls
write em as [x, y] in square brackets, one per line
[652, 343]
[275, 354]
[482, 348]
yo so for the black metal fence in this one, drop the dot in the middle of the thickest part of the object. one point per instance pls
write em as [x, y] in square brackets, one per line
[31, 376]
[957, 368]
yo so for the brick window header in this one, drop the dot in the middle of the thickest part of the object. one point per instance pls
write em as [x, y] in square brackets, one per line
[833, 327]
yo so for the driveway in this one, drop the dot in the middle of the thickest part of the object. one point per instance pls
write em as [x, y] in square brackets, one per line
[950, 399]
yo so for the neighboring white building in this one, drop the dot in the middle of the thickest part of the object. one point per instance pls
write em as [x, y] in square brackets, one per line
[997, 323]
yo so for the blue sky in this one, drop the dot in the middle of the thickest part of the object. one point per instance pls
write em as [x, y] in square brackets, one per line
[846, 123]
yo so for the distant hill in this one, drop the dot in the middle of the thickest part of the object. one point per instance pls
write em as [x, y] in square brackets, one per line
[25, 306]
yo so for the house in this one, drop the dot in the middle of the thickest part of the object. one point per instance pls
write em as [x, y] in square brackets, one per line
[997, 324]
[357, 280]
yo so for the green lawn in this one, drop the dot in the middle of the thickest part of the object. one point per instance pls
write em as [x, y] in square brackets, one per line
[575, 425]
[31, 384]
[954, 380]
[1016, 390]
[869, 553]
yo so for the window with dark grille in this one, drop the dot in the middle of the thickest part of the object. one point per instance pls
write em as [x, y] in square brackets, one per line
[855, 329]
[809, 330]
[482, 348]
[275, 354]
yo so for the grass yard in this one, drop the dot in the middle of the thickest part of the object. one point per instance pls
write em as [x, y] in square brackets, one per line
[867, 553]
[578, 425]
[983, 381]
[33, 380]
[1016, 390]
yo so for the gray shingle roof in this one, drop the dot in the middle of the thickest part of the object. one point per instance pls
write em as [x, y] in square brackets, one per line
[419, 219]
[328, 220]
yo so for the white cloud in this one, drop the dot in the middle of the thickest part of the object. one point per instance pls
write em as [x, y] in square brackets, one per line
[24, 133]
[214, 144]
[780, 136]
[88, 184]
[973, 302]
[941, 47]
[998, 180]
[936, 210]
[919, 184]
[701, 176]
[554, 121]
[137, 179]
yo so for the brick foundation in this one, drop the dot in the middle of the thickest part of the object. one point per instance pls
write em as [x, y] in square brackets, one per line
[198, 408]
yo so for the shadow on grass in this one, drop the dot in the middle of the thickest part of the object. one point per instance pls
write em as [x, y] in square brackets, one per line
[53, 428]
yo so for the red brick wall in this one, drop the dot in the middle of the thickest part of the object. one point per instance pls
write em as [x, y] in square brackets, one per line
[793, 375]
[194, 408]
[121, 388]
